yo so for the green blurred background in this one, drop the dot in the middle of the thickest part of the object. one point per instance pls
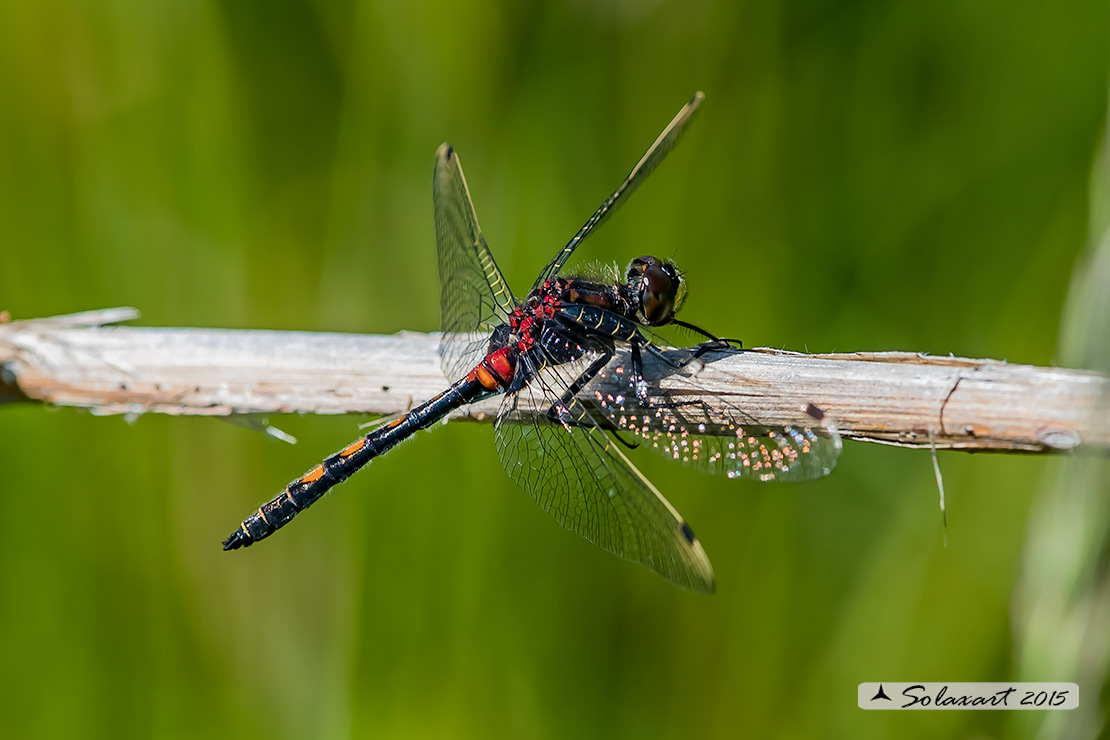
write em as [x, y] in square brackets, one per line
[864, 176]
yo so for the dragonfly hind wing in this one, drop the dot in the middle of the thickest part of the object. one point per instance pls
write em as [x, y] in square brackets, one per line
[474, 298]
[693, 423]
[577, 473]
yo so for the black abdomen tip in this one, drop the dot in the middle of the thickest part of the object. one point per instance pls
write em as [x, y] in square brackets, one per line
[238, 539]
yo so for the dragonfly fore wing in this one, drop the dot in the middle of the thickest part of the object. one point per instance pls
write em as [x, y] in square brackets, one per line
[474, 296]
[655, 154]
[576, 473]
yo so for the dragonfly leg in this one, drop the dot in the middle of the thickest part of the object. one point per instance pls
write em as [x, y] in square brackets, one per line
[719, 345]
[714, 342]
[639, 383]
[559, 411]
[695, 355]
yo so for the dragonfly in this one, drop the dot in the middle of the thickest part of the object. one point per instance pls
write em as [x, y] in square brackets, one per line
[583, 379]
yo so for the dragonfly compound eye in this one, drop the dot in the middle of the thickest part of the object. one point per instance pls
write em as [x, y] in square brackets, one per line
[656, 284]
[679, 284]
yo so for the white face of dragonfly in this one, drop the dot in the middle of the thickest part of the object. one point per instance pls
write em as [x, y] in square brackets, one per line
[658, 288]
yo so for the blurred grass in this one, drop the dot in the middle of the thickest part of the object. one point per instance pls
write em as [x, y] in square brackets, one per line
[863, 176]
[1062, 601]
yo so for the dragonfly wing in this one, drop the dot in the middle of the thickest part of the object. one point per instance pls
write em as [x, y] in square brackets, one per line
[651, 159]
[475, 298]
[576, 473]
[706, 429]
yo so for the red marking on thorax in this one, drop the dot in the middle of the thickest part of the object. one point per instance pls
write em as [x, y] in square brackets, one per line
[515, 317]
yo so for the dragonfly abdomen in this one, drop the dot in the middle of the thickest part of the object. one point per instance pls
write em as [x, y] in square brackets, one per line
[484, 380]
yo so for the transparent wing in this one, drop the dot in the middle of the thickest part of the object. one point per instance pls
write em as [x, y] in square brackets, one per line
[651, 159]
[474, 296]
[706, 429]
[578, 475]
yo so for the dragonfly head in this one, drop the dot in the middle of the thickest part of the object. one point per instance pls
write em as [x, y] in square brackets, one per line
[658, 289]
